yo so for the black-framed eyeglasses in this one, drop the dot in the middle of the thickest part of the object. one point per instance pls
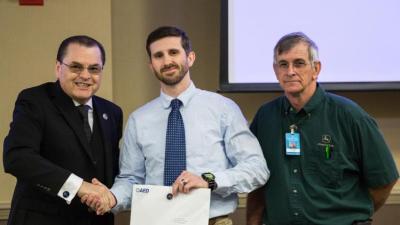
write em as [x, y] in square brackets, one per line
[78, 68]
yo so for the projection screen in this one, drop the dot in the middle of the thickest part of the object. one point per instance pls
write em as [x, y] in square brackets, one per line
[358, 42]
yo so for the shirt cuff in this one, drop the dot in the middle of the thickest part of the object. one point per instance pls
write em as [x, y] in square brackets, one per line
[70, 188]
[224, 185]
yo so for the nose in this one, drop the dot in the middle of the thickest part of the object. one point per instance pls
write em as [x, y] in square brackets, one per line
[85, 74]
[167, 59]
[291, 71]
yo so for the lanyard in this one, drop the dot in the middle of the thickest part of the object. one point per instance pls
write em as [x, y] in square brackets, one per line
[294, 126]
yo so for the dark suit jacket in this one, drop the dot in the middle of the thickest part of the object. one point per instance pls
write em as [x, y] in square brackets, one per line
[45, 144]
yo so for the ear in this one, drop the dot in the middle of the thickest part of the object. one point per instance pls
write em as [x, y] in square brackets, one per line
[275, 66]
[317, 69]
[57, 69]
[191, 58]
[150, 65]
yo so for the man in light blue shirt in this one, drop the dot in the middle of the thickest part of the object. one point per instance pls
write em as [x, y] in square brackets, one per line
[221, 152]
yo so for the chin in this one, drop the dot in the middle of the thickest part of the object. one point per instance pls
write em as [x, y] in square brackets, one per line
[83, 96]
[293, 90]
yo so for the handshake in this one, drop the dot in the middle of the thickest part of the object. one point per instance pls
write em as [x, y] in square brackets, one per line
[97, 196]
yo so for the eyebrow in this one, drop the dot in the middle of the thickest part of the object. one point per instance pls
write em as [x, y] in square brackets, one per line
[294, 60]
[174, 49]
[75, 62]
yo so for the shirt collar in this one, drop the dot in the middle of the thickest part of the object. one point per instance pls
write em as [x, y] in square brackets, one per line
[312, 104]
[88, 103]
[185, 96]
[315, 100]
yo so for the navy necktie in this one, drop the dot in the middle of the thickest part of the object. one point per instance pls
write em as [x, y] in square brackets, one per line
[175, 146]
[83, 110]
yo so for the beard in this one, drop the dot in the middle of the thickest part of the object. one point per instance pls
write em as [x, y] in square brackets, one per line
[172, 79]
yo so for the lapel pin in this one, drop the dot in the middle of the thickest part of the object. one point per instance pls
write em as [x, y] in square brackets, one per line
[105, 116]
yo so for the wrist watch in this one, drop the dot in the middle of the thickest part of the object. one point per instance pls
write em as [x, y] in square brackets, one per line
[210, 179]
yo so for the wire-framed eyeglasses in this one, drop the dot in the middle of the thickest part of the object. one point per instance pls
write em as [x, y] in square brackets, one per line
[79, 68]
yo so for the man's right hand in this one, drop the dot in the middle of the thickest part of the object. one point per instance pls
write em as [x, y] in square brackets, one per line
[97, 196]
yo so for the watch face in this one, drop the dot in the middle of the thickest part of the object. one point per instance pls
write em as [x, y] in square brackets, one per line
[208, 176]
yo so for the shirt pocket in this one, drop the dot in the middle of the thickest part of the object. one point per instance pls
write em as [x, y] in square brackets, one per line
[323, 166]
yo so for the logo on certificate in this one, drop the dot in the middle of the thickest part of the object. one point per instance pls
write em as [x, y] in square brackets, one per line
[142, 190]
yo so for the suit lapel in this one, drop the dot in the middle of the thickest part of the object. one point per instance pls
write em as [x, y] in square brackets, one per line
[105, 127]
[67, 108]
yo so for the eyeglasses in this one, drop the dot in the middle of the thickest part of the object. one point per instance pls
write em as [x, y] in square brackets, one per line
[298, 64]
[79, 68]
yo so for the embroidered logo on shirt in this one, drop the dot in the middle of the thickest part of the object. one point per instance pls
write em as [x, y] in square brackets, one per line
[326, 143]
[326, 139]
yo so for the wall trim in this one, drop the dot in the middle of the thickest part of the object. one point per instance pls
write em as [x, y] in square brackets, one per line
[394, 197]
[242, 201]
[4, 210]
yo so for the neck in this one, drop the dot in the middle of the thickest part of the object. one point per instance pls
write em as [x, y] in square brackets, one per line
[175, 90]
[299, 100]
[81, 101]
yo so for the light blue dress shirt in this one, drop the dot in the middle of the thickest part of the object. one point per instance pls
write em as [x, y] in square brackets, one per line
[217, 140]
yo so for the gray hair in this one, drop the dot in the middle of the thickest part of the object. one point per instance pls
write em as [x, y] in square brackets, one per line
[288, 41]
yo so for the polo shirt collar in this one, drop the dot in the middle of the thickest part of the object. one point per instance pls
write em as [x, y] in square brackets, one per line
[185, 96]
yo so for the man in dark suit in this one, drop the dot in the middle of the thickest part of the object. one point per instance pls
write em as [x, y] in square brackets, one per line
[61, 137]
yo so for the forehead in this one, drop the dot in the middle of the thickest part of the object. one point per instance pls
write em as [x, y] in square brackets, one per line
[83, 54]
[299, 51]
[165, 44]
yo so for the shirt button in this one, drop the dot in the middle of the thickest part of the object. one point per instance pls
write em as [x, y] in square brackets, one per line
[294, 191]
[65, 194]
[296, 213]
[295, 171]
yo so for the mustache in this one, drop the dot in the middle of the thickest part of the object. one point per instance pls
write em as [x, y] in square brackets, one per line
[169, 66]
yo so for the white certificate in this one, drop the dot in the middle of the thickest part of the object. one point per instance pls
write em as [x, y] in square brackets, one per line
[153, 205]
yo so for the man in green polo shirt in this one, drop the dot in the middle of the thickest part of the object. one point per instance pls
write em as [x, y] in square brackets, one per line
[329, 162]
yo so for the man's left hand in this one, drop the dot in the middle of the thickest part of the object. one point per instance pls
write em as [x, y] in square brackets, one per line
[186, 181]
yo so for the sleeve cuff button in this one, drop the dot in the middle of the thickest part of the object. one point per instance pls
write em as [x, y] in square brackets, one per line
[65, 194]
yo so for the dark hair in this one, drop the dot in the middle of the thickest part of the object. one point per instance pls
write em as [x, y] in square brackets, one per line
[288, 41]
[168, 31]
[82, 40]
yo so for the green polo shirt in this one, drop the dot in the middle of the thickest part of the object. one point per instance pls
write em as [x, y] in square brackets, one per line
[343, 153]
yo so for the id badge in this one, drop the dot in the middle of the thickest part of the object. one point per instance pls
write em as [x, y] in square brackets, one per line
[292, 143]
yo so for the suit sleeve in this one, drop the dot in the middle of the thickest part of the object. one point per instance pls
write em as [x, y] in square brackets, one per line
[22, 147]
